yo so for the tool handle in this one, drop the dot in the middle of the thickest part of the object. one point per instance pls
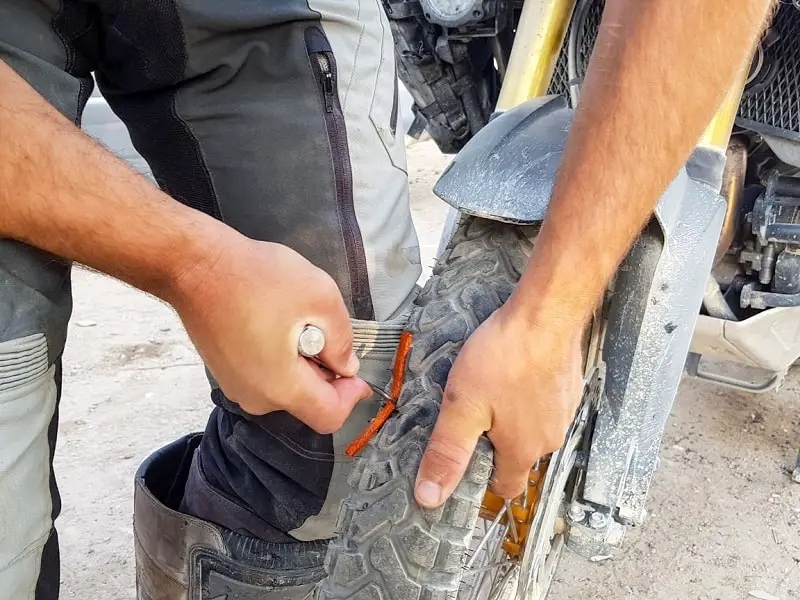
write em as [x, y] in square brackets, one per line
[311, 341]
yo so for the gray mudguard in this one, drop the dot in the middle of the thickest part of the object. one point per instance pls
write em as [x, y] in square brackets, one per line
[506, 173]
[655, 303]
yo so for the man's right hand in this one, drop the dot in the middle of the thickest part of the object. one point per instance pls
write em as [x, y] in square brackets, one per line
[244, 308]
[244, 303]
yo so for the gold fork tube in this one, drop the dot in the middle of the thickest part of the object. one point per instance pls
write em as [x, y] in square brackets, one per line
[718, 132]
[540, 34]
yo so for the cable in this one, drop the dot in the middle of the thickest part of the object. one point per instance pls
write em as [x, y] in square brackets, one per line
[576, 28]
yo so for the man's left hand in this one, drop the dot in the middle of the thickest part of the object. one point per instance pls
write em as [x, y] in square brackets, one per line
[518, 380]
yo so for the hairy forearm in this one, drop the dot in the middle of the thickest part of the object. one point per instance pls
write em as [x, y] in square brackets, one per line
[62, 192]
[658, 74]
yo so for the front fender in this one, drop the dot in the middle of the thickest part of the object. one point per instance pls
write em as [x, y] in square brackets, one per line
[654, 307]
[506, 172]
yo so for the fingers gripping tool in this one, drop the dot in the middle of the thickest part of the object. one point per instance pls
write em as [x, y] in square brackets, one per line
[312, 341]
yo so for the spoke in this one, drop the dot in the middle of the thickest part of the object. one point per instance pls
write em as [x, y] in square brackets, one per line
[495, 565]
[476, 535]
[511, 522]
[497, 591]
[490, 553]
[496, 551]
[485, 538]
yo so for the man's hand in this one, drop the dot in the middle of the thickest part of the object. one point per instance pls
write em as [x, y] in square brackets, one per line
[518, 380]
[244, 303]
[245, 311]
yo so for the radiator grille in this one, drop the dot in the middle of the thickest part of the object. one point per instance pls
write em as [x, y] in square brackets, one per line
[773, 108]
[777, 106]
[586, 38]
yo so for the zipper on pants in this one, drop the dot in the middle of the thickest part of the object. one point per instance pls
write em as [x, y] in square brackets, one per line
[324, 67]
[395, 100]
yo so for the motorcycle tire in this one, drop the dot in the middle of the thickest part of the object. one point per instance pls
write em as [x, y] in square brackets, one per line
[388, 547]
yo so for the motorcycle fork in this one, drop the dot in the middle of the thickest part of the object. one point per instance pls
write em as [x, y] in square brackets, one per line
[540, 35]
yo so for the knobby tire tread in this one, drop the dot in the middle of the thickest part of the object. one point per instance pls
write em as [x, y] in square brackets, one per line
[388, 547]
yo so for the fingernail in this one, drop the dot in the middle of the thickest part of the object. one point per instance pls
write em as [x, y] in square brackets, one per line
[353, 364]
[429, 493]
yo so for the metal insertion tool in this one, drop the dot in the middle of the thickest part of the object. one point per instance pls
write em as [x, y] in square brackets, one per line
[312, 341]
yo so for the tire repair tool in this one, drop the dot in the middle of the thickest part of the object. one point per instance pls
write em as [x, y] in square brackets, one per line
[312, 341]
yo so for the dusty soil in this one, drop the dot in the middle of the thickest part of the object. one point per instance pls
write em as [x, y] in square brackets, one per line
[724, 518]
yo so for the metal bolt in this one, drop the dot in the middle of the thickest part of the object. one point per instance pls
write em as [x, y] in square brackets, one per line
[598, 520]
[576, 513]
[311, 341]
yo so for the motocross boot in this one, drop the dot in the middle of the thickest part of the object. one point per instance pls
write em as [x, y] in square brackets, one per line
[180, 557]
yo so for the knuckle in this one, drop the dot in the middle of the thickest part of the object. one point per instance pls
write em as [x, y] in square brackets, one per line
[523, 463]
[514, 460]
[513, 449]
[325, 429]
[330, 289]
[323, 426]
[454, 394]
[322, 288]
[470, 404]
[554, 439]
[344, 343]
[337, 422]
[507, 489]
[251, 408]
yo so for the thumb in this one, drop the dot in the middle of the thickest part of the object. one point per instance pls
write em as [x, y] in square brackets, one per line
[449, 450]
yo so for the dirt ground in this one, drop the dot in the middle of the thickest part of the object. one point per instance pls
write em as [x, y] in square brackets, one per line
[724, 520]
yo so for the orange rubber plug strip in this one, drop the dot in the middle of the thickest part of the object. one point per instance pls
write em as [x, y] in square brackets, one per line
[398, 371]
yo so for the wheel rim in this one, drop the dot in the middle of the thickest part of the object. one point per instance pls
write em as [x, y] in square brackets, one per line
[489, 572]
